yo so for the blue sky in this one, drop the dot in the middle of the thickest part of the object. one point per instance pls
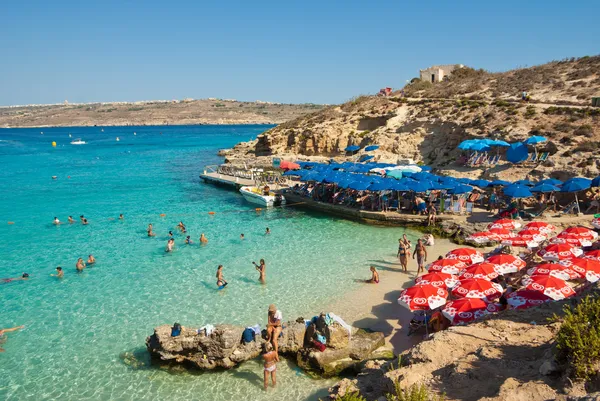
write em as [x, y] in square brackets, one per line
[310, 51]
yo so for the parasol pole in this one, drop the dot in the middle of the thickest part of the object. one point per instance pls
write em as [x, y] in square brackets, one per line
[577, 201]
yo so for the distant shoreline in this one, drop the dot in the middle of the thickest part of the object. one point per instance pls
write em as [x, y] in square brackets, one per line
[141, 125]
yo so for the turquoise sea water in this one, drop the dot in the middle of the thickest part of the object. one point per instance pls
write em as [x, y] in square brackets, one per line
[80, 329]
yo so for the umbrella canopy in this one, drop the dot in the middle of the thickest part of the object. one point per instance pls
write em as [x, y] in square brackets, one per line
[581, 232]
[505, 223]
[465, 255]
[482, 237]
[286, 165]
[461, 189]
[532, 235]
[352, 148]
[525, 183]
[558, 252]
[381, 185]
[371, 148]
[555, 270]
[517, 152]
[359, 185]
[596, 182]
[588, 268]
[365, 158]
[517, 191]
[438, 279]
[450, 266]
[520, 242]
[481, 183]
[551, 181]
[545, 188]
[466, 145]
[484, 270]
[394, 173]
[571, 239]
[501, 233]
[532, 140]
[506, 264]
[576, 184]
[423, 297]
[551, 286]
[541, 226]
[594, 255]
[480, 147]
[292, 172]
[497, 183]
[523, 299]
[477, 288]
[465, 310]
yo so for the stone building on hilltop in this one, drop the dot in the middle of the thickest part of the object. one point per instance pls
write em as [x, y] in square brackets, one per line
[437, 73]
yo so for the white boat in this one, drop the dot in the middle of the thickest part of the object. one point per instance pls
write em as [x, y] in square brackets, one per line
[257, 195]
[78, 141]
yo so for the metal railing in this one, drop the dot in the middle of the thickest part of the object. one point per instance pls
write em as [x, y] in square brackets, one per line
[258, 175]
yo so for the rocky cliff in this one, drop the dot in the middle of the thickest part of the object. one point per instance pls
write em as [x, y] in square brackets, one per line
[428, 125]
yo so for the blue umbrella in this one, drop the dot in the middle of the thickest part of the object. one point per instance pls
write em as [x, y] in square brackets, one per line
[464, 180]
[532, 140]
[596, 182]
[576, 185]
[517, 191]
[481, 183]
[352, 148]
[498, 142]
[480, 147]
[552, 181]
[425, 168]
[371, 148]
[526, 183]
[417, 186]
[400, 186]
[496, 183]
[313, 176]
[364, 158]
[461, 189]
[517, 152]
[383, 185]
[466, 145]
[359, 185]
[293, 172]
[545, 188]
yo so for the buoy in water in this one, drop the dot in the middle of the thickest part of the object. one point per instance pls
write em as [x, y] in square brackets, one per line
[258, 209]
[68, 176]
[53, 144]
[118, 139]
[211, 212]
[11, 222]
[54, 177]
[42, 133]
[162, 215]
[134, 133]
[70, 136]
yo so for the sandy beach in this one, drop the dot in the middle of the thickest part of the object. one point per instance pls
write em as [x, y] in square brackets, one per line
[375, 306]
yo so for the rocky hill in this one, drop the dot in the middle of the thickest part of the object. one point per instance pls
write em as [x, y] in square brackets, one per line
[430, 121]
[206, 111]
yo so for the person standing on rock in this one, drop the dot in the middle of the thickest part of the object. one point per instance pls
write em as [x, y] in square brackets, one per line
[274, 320]
[270, 367]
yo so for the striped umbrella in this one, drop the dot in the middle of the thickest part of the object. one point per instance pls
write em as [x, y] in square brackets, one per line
[506, 264]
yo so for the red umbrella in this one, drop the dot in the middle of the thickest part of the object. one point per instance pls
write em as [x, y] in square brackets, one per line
[507, 263]
[482, 270]
[523, 299]
[465, 310]
[551, 286]
[588, 268]
[483, 237]
[438, 279]
[466, 255]
[505, 223]
[595, 254]
[520, 242]
[571, 239]
[450, 266]
[554, 269]
[502, 233]
[542, 227]
[582, 232]
[558, 252]
[423, 297]
[532, 235]
[477, 288]
[285, 165]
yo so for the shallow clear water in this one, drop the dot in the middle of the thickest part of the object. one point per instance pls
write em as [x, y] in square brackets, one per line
[81, 330]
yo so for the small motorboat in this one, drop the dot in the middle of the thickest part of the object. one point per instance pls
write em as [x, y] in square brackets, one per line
[78, 141]
[258, 196]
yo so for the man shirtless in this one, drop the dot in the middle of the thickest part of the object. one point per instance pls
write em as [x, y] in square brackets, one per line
[421, 254]
[150, 232]
[91, 260]
[203, 239]
[80, 265]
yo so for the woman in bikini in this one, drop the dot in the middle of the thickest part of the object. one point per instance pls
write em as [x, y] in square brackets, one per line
[262, 269]
[270, 367]
[402, 255]
[220, 280]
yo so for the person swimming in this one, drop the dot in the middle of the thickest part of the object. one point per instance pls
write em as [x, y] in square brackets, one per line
[121, 217]
[56, 221]
[24, 276]
[83, 220]
[150, 232]
[80, 265]
[59, 272]
[241, 236]
[170, 234]
[262, 269]
[91, 260]
[220, 280]
[267, 231]
[71, 221]
[3, 331]
[188, 241]
[181, 226]
[170, 244]
[203, 239]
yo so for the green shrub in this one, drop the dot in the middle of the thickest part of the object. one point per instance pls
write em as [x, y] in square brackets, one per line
[586, 146]
[530, 112]
[352, 397]
[578, 339]
[413, 393]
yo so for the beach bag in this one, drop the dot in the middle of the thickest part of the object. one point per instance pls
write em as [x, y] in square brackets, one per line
[175, 330]
[248, 335]
[320, 346]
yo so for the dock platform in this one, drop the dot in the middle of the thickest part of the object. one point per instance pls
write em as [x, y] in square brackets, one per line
[226, 180]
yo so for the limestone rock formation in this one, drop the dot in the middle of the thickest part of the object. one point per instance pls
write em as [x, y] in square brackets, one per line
[224, 349]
